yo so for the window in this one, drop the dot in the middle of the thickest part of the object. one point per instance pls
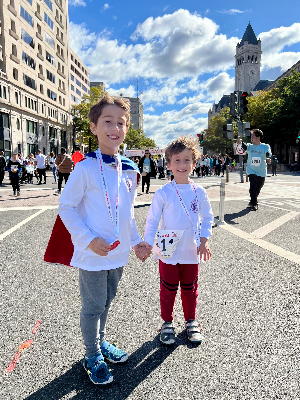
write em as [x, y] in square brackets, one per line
[49, 4]
[29, 82]
[78, 92]
[12, 3]
[41, 69]
[24, 14]
[38, 8]
[49, 40]
[84, 88]
[39, 29]
[51, 94]
[52, 132]
[27, 38]
[4, 120]
[42, 92]
[31, 126]
[48, 20]
[18, 124]
[13, 25]
[28, 60]
[72, 58]
[78, 83]
[30, 2]
[17, 97]
[73, 98]
[14, 50]
[40, 49]
[72, 77]
[15, 75]
[63, 69]
[50, 76]
[50, 58]
[59, 99]
[64, 102]
[63, 135]
[72, 88]
[4, 92]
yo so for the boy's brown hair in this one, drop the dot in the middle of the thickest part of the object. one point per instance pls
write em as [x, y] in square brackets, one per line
[180, 144]
[107, 100]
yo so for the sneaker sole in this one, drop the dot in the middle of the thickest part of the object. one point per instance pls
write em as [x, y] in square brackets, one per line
[97, 383]
[122, 360]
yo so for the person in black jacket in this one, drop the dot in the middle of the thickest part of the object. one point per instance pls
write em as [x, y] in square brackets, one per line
[147, 169]
[14, 167]
[2, 167]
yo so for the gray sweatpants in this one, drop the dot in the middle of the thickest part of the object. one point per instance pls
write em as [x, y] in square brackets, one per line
[97, 290]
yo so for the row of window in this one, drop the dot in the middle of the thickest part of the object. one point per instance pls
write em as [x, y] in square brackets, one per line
[79, 66]
[79, 74]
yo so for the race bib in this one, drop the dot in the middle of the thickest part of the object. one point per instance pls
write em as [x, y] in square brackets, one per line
[166, 242]
[255, 161]
[146, 168]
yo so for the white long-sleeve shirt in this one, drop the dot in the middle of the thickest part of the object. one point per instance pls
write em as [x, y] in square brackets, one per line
[84, 212]
[167, 210]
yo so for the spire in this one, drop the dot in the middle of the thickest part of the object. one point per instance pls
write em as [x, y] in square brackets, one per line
[249, 35]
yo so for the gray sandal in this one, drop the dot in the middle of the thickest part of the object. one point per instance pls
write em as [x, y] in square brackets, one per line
[167, 334]
[194, 331]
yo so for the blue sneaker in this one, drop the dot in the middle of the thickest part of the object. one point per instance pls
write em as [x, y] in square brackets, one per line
[112, 353]
[97, 370]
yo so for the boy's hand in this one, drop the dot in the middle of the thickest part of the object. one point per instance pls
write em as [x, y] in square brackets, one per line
[99, 246]
[142, 250]
[204, 250]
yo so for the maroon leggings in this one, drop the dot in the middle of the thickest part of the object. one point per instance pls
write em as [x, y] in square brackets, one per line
[170, 276]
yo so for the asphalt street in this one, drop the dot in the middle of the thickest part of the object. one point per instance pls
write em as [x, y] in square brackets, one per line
[248, 305]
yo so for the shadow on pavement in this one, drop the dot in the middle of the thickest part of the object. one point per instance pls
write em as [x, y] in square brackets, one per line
[230, 217]
[127, 377]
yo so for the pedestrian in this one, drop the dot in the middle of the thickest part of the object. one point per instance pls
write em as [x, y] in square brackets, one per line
[40, 164]
[185, 213]
[53, 165]
[160, 166]
[96, 208]
[64, 166]
[30, 171]
[233, 166]
[147, 169]
[14, 168]
[2, 167]
[258, 157]
[274, 163]
[77, 156]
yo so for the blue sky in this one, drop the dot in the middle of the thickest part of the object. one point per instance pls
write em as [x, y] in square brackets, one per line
[181, 52]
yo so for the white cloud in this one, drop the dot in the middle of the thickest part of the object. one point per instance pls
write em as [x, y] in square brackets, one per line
[232, 11]
[105, 7]
[126, 92]
[273, 44]
[77, 3]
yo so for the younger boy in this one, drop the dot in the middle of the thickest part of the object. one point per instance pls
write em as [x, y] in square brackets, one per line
[182, 208]
[14, 168]
[96, 207]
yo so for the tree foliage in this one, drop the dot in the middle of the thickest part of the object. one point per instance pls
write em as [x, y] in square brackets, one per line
[135, 138]
[213, 135]
[276, 112]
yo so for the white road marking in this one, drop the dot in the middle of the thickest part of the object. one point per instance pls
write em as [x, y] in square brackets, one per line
[16, 227]
[261, 243]
[264, 230]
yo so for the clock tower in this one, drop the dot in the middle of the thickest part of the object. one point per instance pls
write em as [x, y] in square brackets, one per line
[247, 66]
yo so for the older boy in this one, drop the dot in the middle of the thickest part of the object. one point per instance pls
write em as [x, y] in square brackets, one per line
[97, 208]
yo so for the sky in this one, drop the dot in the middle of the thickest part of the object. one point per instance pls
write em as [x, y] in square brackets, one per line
[181, 53]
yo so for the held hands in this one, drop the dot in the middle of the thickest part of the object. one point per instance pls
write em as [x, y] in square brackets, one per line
[204, 250]
[142, 250]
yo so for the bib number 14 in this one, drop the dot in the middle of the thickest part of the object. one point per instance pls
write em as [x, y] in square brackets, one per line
[167, 241]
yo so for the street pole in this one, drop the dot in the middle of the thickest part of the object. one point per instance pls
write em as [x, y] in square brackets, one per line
[241, 159]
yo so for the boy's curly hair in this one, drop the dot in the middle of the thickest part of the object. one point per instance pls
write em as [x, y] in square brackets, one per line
[107, 100]
[178, 145]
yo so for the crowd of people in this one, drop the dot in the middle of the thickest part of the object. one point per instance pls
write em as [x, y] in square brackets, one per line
[23, 170]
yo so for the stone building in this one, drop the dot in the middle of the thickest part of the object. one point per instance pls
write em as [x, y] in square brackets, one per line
[34, 76]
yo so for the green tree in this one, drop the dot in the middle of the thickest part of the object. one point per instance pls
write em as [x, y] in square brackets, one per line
[137, 139]
[213, 135]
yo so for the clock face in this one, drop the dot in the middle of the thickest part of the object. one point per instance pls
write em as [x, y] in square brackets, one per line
[252, 72]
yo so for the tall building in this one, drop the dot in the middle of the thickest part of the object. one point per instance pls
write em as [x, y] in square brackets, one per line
[79, 78]
[248, 58]
[96, 84]
[34, 76]
[136, 112]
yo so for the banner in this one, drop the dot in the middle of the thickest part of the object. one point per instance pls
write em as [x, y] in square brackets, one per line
[141, 152]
